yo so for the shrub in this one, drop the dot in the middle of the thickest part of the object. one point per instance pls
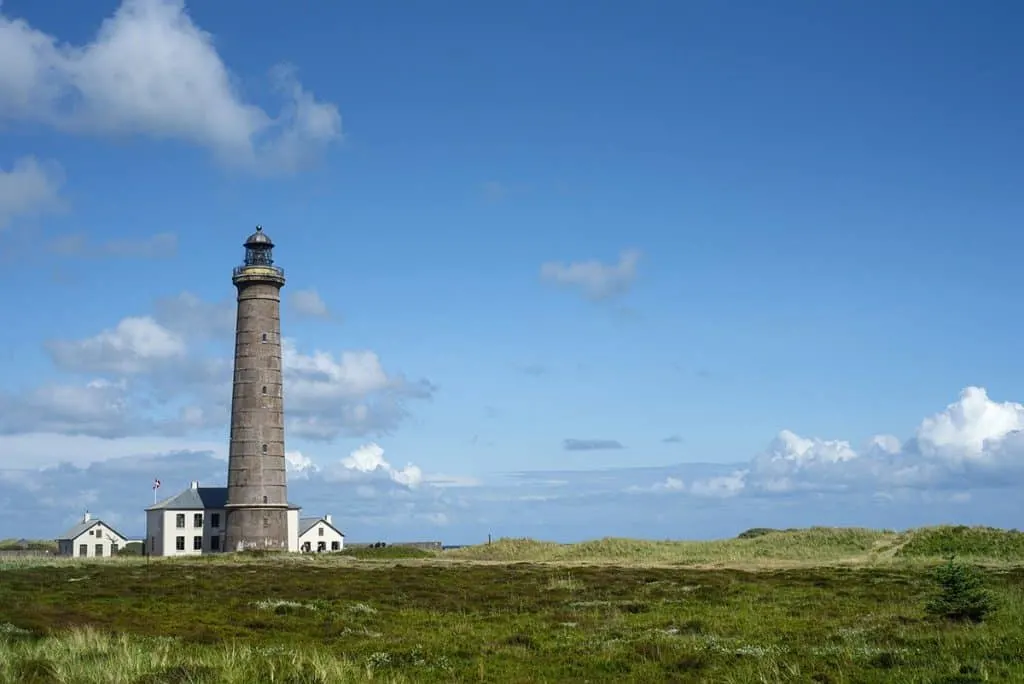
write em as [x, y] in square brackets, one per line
[961, 594]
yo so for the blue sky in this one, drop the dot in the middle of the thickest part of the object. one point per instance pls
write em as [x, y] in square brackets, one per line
[665, 270]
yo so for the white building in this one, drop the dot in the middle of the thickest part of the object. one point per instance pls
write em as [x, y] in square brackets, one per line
[192, 523]
[91, 538]
[320, 534]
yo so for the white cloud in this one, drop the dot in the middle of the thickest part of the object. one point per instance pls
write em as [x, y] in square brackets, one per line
[970, 429]
[299, 465]
[369, 458]
[158, 365]
[723, 486]
[973, 441]
[594, 279]
[351, 393]
[132, 347]
[309, 304]
[151, 71]
[28, 187]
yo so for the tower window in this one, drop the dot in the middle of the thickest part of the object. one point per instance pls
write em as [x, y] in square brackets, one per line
[264, 499]
[264, 448]
[264, 389]
[264, 337]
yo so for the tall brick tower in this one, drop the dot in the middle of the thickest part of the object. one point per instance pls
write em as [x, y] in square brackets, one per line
[257, 504]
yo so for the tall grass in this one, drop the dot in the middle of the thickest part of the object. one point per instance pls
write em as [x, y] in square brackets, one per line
[811, 546]
[88, 656]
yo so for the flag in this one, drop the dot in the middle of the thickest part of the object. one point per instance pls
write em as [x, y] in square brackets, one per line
[156, 484]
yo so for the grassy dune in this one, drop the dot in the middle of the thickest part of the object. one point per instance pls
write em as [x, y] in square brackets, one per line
[812, 546]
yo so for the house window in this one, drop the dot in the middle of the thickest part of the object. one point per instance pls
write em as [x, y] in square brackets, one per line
[335, 546]
[320, 531]
[215, 519]
[179, 520]
[197, 543]
[321, 546]
[83, 550]
[197, 520]
[305, 546]
[113, 549]
[91, 533]
[99, 550]
[179, 543]
[215, 543]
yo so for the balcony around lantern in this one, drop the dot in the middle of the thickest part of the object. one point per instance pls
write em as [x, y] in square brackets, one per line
[239, 270]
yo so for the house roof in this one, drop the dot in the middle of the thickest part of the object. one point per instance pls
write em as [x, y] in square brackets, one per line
[82, 527]
[306, 524]
[198, 499]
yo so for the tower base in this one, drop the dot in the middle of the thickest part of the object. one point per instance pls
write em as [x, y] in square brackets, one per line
[248, 529]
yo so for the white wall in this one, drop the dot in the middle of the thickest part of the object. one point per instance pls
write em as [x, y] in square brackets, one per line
[99, 535]
[322, 532]
[167, 532]
[293, 530]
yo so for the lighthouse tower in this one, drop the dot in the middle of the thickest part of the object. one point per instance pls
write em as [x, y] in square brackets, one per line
[257, 502]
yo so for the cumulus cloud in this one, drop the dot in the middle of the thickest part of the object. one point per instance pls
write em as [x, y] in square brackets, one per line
[348, 394]
[298, 465]
[28, 187]
[594, 279]
[153, 374]
[309, 304]
[151, 71]
[974, 441]
[133, 346]
[369, 458]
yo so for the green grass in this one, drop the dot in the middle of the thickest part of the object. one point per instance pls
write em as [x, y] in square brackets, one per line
[610, 610]
[810, 545]
[986, 543]
[386, 552]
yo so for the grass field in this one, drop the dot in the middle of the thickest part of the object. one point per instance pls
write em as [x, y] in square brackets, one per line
[798, 606]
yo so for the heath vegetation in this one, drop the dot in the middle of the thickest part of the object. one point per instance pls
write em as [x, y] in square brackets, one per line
[512, 612]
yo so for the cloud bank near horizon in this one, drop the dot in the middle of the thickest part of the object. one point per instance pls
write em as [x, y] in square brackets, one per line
[962, 464]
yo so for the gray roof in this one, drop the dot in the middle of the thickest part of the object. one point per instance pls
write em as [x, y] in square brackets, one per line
[198, 499]
[305, 524]
[81, 528]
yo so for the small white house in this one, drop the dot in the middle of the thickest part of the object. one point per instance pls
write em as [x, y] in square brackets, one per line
[319, 535]
[91, 538]
[191, 523]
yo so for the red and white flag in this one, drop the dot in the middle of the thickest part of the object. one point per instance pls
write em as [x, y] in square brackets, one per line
[156, 484]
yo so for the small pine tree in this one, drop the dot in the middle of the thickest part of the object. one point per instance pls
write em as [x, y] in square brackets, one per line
[961, 594]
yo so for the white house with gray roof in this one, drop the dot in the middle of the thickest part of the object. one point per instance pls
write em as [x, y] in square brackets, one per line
[192, 523]
[91, 538]
[319, 535]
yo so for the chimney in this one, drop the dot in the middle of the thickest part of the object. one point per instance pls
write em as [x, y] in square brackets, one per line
[327, 518]
[194, 484]
[86, 517]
